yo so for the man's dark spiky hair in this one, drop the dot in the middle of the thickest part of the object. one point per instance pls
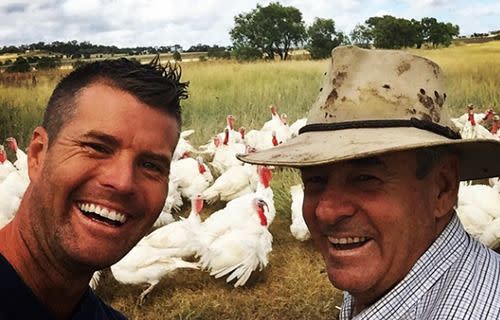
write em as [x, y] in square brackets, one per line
[153, 84]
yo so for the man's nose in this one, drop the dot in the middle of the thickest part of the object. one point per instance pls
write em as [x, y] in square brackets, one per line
[335, 204]
[119, 175]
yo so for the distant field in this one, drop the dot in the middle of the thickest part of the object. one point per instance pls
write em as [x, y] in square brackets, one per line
[294, 285]
[246, 89]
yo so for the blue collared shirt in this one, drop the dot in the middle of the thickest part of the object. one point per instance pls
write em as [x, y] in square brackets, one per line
[456, 278]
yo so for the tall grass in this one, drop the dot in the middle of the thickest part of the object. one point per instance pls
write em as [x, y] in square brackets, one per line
[294, 284]
[246, 91]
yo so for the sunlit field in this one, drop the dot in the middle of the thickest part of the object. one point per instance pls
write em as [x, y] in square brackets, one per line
[294, 285]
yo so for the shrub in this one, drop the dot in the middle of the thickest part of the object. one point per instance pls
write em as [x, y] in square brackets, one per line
[20, 65]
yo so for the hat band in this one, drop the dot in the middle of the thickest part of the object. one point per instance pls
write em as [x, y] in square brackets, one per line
[413, 122]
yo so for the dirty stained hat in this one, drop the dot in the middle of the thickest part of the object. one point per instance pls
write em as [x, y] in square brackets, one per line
[379, 101]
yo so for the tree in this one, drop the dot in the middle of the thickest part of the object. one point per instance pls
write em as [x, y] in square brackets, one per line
[218, 52]
[199, 48]
[438, 32]
[245, 53]
[20, 65]
[419, 32]
[48, 63]
[269, 30]
[323, 38]
[177, 56]
[394, 33]
[177, 47]
[390, 32]
[362, 36]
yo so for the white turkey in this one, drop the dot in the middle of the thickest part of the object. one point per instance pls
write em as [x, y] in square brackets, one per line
[298, 228]
[478, 209]
[192, 176]
[225, 154]
[183, 148]
[491, 234]
[480, 195]
[473, 130]
[21, 162]
[495, 127]
[147, 264]
[470, 124]
[6, 167]
[295, 127]
[470, 116]
[261, 140]
[173, 202]
[241, 249]
[12, 189]
[240, 209]
[236, 181]
[265, 191]
[274, 121]
[178, 235]
[473, 219]
[495, 183]
[277, 124]
[233, 135]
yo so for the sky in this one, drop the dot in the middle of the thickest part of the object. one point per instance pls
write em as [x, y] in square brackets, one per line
[132, 23]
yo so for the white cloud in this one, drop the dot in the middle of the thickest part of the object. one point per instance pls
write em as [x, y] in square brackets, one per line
[129, 23]
[477, 10]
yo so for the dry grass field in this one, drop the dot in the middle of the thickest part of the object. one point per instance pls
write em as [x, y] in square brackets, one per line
[294, 284]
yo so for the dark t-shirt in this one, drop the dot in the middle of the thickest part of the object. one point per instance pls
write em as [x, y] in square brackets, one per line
[17, 301]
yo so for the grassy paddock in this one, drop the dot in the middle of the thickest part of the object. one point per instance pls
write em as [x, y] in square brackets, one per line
[294, 285]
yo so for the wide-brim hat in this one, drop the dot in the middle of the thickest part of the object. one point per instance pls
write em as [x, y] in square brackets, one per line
[380, 101]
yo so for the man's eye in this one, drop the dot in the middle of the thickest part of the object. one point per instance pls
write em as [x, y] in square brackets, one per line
[99, 148]
[365, 177]
[314, 181]
[151, 166]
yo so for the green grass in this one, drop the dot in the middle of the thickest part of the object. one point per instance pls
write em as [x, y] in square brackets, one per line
[246, 91]
[294, 284]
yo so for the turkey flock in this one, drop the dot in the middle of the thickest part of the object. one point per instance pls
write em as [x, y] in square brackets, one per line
[234, 241]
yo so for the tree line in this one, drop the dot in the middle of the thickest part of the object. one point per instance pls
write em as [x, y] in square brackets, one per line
[76, 50]
[273, 30]
[389, 32]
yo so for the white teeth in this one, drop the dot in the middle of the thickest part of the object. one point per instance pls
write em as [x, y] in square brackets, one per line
[348, 240]
[102, 211]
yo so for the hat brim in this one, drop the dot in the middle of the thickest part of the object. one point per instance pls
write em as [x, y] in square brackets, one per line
[479, 158]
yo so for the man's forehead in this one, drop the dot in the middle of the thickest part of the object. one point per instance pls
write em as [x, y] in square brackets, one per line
[367, 162]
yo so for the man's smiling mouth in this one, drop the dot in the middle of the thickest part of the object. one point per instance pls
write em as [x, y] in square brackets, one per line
[347, 243]
[102, 214]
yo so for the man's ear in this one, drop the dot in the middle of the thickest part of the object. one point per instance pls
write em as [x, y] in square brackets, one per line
[447, 178]
[37, 151]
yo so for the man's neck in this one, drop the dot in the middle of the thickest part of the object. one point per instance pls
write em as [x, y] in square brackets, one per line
[58, 289]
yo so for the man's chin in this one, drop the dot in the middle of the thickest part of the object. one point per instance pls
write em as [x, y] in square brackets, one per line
[353, 281]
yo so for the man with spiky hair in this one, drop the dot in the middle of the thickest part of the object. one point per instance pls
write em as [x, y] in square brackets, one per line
[99, 168]
[381, 165]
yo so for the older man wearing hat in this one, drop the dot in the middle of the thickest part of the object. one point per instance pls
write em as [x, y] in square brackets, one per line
[381, 166]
